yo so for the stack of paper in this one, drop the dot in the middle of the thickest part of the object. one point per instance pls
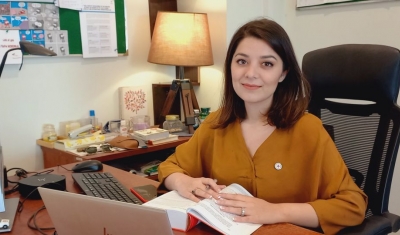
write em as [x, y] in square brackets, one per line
[152, 134]
[165, 140]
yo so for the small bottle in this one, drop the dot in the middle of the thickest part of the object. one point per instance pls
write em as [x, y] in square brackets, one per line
[204, 113]
[123, 129]
[172, 123]
[92, 120]
[49, 133]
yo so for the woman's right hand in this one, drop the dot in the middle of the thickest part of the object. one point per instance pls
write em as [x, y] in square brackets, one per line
[194, 189]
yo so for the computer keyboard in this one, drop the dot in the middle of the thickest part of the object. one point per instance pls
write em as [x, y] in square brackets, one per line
[104, 185]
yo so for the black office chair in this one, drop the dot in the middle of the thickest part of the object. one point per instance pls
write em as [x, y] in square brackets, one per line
[366, 134]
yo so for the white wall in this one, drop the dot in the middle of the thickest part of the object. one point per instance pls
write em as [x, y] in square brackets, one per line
[51, 90]
[209, 92]
[240, 12]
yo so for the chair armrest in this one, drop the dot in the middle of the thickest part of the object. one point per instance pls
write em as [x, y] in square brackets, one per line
[376, 224]
[394, 220]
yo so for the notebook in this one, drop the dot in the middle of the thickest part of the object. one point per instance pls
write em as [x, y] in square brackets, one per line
[73, 213]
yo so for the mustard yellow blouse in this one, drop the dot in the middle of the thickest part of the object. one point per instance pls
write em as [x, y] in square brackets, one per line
[298, 165]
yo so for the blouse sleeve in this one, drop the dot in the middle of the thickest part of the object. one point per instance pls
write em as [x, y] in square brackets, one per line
[342, 202]
[187, 158]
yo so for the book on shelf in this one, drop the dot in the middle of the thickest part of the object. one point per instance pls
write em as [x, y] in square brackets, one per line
[150, 166]
[146, 169]
[69, 144]
[184, 214]
[170, 138]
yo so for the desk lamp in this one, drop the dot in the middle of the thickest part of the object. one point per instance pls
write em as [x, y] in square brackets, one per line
[28, 48]
[8, 207]
[181, 39]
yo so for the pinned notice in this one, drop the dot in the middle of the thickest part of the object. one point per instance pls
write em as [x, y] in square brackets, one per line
[10, 39]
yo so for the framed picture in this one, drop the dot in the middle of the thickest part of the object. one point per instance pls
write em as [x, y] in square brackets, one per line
[133, 100]
[323, 3]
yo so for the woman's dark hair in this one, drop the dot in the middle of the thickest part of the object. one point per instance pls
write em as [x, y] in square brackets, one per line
[291, 96]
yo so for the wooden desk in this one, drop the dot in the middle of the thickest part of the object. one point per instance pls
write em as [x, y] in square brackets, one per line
[128, 180]
[53, 157]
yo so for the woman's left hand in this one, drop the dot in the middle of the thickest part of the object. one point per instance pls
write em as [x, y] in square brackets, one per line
[249, 209]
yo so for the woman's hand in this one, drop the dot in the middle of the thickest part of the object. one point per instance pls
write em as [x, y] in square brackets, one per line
[194, 189]
[249, 209]
[254, 210]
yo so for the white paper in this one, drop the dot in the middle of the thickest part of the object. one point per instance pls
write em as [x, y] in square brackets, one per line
[98, 5]
[99, 34]
[307, 3]
[51, 1]
[10, 39]
[70, 4]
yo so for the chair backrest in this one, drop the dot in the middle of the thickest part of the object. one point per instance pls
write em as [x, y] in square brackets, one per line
[354, 89]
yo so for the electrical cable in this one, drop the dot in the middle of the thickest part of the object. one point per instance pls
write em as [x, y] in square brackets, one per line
[13, 189]
[33, 217]
[64, 168]
[35, 226]
[20, 172]
[44, 172]
[21, 206]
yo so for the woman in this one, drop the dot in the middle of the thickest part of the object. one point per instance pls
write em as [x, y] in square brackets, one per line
[262, 138]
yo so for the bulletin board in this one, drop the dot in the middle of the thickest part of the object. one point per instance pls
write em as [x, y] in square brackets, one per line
[69, 20]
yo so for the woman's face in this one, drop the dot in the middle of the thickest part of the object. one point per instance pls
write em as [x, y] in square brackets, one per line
[256, 71]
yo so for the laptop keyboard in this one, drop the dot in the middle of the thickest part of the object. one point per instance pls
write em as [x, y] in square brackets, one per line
[104, 185]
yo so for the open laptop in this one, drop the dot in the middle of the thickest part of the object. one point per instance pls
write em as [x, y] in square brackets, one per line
[73, 213]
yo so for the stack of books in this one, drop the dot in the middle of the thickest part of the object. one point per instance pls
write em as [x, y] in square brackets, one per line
[153, 136]
[147, 169]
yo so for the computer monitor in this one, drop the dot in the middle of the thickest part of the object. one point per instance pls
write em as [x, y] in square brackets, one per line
[2, 206]
[8, 207]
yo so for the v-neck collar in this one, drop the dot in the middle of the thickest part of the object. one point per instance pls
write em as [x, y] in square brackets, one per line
[268, 142]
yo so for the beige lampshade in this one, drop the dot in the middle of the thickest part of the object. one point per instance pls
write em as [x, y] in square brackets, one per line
[181, 39]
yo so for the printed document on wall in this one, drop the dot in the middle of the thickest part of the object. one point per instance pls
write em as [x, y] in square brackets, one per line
[87, 5]
[98, 5]
[9, 39]
[99, 34]
[69, 4]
